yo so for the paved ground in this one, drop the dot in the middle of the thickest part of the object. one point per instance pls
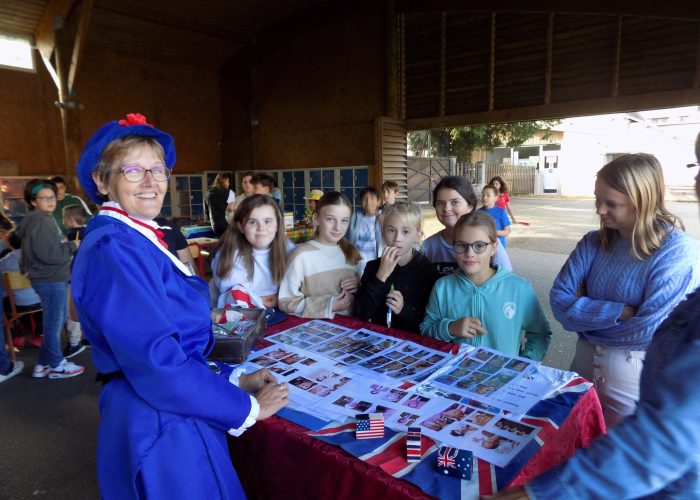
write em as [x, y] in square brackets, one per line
[48, 428]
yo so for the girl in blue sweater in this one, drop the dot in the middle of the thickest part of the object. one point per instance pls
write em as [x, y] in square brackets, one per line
[483, 304]
[622, 281]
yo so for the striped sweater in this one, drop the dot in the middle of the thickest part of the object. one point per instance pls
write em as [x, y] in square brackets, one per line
[312, 279]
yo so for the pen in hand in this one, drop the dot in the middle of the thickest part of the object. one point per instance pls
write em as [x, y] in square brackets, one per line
[388, 312]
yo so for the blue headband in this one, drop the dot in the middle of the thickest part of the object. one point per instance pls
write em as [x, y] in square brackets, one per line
[134, 124]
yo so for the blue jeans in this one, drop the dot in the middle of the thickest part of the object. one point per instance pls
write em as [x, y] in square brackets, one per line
[53, 302]
[4, 357]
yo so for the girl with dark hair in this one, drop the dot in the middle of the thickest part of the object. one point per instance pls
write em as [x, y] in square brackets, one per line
[453, 197]
[322, 274]
[503, 200]
[495, 306]
[46, 258]
[252, 252]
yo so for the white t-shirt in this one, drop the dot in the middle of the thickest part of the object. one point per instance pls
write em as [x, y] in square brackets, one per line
[261, 283]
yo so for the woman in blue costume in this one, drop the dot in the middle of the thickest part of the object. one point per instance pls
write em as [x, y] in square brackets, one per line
[165, 411]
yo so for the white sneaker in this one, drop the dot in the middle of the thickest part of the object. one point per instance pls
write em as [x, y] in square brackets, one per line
[40, 371]
[66, 370]
[16, 368]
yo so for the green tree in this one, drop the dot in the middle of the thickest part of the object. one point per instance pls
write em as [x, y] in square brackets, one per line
[462, 141]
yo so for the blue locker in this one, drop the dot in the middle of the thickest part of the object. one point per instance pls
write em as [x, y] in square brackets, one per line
[315, 179]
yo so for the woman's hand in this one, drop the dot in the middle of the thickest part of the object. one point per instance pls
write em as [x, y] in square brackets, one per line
[387, 264]
[271, 398]
[253, 382]
[341, 301]
[349, 285]
[466, 328]
[394, 301]
[627, 312]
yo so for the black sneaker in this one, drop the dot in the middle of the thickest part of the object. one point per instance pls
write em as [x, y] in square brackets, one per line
[72, 350]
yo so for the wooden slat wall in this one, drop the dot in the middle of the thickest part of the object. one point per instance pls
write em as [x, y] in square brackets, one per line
[458, 64]
[392, 152]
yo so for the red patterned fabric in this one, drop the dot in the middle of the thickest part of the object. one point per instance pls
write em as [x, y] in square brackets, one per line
[300, 466]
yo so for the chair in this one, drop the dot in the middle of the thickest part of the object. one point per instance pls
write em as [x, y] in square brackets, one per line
[198, 255]
[14, 280]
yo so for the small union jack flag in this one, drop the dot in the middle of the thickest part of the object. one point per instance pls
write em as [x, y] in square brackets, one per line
[454, 462]
[369, 426]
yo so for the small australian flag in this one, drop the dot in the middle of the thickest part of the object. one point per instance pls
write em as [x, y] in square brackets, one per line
[454, 462]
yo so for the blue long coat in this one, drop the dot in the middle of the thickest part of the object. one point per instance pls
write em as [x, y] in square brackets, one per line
[164, 423]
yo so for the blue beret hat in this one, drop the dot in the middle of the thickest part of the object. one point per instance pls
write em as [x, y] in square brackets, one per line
[134, 124]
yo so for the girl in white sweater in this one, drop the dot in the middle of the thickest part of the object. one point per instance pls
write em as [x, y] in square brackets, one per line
[252, 252]
[322, 275]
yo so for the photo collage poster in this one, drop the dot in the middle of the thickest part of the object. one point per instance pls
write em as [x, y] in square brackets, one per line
[335, 372]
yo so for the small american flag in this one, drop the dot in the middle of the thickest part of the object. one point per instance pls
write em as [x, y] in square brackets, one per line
[369, 426]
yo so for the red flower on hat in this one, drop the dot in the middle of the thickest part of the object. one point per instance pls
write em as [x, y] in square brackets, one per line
[134, 119]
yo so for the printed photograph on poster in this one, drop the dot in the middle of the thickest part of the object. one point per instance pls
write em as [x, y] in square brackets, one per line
[492, 377]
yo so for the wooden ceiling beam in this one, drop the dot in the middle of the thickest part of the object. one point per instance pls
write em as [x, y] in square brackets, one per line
[674, 9]
[161, 17]
[620, 104]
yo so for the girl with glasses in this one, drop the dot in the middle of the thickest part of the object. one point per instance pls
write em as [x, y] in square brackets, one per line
[484, 305]
[46, 258]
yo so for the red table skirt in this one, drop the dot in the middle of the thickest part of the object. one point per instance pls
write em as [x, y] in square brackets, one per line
[277, 459]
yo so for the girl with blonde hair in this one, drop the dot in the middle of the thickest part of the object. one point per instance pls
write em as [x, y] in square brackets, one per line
[322, 275]
[401, 279]
[621, 281]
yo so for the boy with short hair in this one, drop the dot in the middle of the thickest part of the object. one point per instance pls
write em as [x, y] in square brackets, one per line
[390, 190]
[365, 230]
[74, 219]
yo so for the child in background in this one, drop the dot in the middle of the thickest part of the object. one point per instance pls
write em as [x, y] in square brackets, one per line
[503, 197]
[401, 280]
[365, 231]
[389, 191]
[46, 259]
[494, 305]
[26, 299]
[489, 195]
[453, 197]
[252, 252]
[311, 203]
[321, 277]
[74, 219]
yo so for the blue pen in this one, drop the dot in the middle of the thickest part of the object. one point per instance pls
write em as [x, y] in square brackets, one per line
[388, 312]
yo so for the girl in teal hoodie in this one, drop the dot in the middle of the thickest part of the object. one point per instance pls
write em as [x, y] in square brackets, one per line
[482, 304]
